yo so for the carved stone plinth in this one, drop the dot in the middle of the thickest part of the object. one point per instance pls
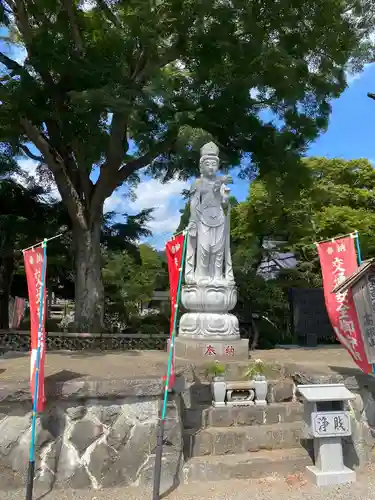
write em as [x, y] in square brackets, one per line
[225, 350]
[209, 317]
[210, 298]
[209, 326]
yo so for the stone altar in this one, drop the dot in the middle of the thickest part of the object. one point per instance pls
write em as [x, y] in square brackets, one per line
[209, 294]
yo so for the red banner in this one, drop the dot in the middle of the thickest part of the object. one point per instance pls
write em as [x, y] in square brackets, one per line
[338, 260]
[34, 270]
[174, 251]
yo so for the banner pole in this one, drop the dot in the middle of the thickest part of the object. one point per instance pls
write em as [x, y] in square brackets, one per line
[359, 255]
[31, 469]
[160, 435]
[42, 242]
[336, 238]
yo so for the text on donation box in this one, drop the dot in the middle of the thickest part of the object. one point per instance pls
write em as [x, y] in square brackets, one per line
[330, 424]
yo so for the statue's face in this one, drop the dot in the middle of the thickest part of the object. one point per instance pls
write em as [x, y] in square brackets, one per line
[210, 166]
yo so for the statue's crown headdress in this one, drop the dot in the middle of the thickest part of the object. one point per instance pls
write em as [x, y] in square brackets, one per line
[210, 149]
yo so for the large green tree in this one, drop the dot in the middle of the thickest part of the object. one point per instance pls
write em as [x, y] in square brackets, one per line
[339, 199]
[167, 75]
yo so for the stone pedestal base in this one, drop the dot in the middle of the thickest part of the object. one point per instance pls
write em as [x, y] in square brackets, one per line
[330, 478]
[210, 325]
[235, 349]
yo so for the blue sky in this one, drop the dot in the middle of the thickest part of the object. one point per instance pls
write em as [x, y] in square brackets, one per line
[351, 130]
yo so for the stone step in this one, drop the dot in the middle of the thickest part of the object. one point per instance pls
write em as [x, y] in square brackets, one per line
[201, 416]
[225, 440]
[246, 465]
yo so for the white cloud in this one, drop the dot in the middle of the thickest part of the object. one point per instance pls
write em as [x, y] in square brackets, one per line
[164, 222]
[116, 203]
[19, 54]
[254, 93]
[151, 193]
[28, 166]
[165, 199]
[87, 5]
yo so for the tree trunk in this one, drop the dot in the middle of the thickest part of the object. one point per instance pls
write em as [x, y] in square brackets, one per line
[89, 291]
[6, 275]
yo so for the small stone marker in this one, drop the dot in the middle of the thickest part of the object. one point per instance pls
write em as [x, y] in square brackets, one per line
[328, 423]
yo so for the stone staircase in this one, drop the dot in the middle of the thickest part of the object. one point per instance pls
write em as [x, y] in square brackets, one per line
[241, 442]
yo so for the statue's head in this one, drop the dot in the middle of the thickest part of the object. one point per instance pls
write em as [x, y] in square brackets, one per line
[209, 162]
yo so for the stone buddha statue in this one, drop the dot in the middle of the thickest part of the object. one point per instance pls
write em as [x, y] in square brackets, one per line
[209, 292]
[208, 258]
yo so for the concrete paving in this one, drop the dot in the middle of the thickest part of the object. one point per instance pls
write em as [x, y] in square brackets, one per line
[291, 488]
[66, 365]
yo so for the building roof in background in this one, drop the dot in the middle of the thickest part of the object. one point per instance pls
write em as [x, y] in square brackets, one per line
[275, 260]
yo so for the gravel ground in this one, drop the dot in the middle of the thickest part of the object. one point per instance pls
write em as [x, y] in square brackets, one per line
[291, 488]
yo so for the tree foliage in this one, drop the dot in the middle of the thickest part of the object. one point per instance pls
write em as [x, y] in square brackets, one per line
[130, 284]
[339, 199]
[27, 216]
[168, 75]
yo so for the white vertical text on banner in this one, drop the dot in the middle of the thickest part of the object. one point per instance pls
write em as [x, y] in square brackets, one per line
[338, 261]
[34, 266]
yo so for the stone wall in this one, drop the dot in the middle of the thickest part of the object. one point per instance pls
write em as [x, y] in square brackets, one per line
[92, 434]
[20, 341]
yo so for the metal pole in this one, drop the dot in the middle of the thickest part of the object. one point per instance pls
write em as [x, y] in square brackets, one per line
[160, 434]
[336, 237]
[359, 255]
[41, 242]
[31, 469]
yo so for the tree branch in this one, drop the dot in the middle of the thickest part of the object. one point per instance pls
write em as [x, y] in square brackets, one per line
[57, 166]
[76, 34]
[169, 56]
[15, 67]
[107, 184]
[144, 160]
[117, 137]
[109, 14]
[31, 155]
[22, 20]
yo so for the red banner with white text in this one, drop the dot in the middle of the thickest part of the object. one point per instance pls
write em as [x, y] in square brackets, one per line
[338, 260]
[34, 270]
[174, 251]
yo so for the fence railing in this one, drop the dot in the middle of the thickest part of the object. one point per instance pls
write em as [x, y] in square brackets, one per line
[17, 340]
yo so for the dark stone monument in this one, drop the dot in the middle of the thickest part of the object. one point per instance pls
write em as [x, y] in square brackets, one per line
[309, 317]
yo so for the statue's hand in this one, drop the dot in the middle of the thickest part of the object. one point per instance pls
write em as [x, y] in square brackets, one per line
[192, 228]
[217, 184]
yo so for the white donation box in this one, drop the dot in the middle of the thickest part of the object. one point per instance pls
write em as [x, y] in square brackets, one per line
[327, 422]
